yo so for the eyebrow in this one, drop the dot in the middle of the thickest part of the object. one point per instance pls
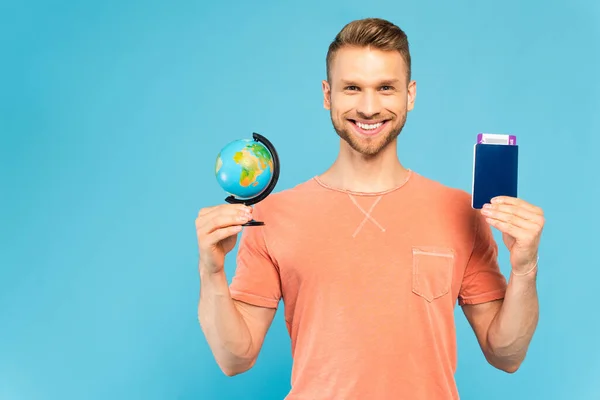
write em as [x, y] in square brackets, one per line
[386, 82]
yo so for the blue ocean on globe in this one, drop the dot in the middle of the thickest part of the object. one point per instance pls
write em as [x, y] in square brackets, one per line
[244, 168]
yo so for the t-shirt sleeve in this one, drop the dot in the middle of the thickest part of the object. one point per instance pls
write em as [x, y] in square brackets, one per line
[482, 280]
[256, 280]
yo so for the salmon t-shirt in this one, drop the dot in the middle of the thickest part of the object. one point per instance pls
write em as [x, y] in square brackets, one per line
[369, 283]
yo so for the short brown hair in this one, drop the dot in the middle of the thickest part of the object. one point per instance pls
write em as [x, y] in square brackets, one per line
[371, 32]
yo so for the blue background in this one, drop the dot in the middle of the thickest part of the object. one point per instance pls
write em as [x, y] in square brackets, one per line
[111, 116]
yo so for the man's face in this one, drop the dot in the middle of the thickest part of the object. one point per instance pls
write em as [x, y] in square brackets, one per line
[368, 97]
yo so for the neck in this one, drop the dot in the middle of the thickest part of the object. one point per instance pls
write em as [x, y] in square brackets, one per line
[368, 174]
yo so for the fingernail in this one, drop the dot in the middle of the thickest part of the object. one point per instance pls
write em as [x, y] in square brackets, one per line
[487, 205]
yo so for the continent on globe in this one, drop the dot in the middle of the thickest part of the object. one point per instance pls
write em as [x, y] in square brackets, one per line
[219, 164]
[245, 168]
[253, 160]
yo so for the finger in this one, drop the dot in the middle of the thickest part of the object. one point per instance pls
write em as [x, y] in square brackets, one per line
[222, 234]
[222, 220]
[208, 213]
[517, 202]
[513, 230]
[520, 212]
[511, 219]
[207, 210]
[526, 235]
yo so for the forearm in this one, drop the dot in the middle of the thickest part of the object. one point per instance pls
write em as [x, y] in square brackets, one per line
[512, 329]
[226, 331]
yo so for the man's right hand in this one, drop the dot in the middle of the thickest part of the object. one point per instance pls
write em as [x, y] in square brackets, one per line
[235, 330]
[217, 229]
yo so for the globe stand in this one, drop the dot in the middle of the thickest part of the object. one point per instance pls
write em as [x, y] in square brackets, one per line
[274, 178]
[253, 223]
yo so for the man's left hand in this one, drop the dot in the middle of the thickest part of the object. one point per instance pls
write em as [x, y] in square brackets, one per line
[521, 225]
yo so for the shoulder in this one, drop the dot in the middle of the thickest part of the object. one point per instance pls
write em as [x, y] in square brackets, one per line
[295, 196]
[439, 196]
[451, 208]
[429, 186]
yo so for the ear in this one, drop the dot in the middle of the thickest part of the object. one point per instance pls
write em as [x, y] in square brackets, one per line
[326, 95]
[411, 95]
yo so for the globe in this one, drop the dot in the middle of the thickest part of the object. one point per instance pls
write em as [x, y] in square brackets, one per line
[247, 170]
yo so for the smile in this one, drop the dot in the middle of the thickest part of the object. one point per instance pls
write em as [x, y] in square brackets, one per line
[368, 129]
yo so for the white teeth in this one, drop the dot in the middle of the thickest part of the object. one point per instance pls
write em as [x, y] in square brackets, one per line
[369, 126]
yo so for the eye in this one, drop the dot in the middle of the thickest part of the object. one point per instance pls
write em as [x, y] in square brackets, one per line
[387, 88]
[351, 88]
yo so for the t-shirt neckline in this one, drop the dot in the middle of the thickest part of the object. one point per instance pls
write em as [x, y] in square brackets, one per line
[358, 193]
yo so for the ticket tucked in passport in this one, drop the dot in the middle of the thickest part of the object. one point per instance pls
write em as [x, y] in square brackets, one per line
[496, 138]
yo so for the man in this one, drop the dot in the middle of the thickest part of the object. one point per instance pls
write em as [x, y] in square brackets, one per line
[369, 257]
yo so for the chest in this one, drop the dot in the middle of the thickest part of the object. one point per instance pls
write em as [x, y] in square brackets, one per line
[369, 247]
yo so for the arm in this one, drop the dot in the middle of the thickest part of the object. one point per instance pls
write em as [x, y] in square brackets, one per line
[235, 331]
[504, 328]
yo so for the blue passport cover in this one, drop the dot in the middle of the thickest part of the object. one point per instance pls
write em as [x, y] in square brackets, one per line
[495, 172]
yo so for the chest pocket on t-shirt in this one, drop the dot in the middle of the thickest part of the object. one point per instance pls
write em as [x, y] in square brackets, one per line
[432, 269]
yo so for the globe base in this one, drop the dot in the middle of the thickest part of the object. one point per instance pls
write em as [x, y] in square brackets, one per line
[253, 223]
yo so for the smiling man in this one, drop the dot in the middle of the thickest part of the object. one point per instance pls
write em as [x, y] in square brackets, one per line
[370, 258]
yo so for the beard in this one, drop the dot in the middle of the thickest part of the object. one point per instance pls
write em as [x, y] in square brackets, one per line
[369, 146]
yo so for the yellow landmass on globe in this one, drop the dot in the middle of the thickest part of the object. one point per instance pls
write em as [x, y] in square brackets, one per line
[252, 167]
[219, 164]
[263, 156]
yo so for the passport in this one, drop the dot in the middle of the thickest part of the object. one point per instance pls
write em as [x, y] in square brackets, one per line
[495, 172]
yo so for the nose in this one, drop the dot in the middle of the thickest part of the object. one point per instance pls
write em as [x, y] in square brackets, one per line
[369, 104]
